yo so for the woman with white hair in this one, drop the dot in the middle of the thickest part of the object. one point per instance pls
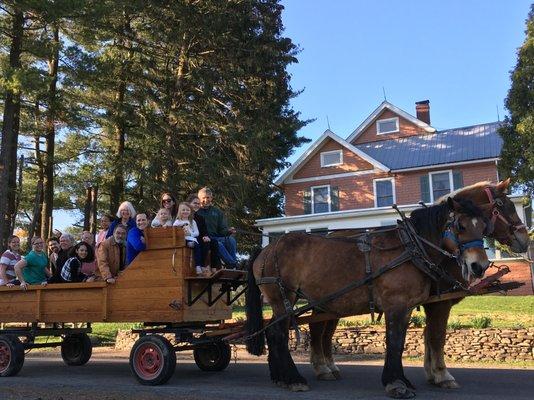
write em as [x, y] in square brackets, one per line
[125, 217]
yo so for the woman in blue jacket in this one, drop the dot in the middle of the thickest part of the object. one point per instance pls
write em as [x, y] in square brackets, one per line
[125, 217]
[135, 242]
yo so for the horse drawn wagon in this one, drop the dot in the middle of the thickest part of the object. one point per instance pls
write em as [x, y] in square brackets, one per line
[159, 289]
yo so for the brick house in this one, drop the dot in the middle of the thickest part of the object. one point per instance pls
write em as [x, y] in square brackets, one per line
[391, 157]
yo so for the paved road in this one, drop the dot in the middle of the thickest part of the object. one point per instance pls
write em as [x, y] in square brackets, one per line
[110, 379]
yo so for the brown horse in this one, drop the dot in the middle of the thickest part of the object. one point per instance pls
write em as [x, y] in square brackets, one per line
[507, 229]
[317, 266]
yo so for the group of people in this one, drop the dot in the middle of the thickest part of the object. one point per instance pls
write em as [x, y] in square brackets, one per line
[119, 241]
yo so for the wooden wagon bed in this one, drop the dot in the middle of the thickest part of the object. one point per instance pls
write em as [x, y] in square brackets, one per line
[156, 287]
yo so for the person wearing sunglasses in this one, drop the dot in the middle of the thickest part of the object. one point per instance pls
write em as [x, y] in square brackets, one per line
[32, 268]
[168, 201]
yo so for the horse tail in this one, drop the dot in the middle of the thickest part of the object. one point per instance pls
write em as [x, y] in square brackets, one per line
[255, 344]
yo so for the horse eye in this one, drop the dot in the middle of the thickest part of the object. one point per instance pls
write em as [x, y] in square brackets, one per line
[461, 228]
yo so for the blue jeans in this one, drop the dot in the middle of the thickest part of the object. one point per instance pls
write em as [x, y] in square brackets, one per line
[227, 247]
[197, 253]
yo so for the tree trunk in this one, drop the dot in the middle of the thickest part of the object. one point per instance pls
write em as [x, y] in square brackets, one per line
[36, 212]
[94, 210]
[117, 184]
[50, 137]
[87, 209]
[10, 133]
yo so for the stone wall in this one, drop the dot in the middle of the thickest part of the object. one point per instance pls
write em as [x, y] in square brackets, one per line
[461, 344]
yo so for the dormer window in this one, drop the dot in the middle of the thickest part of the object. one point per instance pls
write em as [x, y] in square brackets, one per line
[388, 125]
[331, 158]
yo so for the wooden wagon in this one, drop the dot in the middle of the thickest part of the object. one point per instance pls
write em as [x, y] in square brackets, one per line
[159, 288]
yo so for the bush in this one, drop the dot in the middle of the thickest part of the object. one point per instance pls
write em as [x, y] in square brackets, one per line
[481, 322]
[455, 325]
[417, 321]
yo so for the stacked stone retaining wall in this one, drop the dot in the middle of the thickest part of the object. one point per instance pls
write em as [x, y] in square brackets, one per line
[461, 344]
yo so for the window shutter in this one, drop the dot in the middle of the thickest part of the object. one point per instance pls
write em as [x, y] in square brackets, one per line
[457, 180]
[425, 188]
[306, 197]
[334, 198]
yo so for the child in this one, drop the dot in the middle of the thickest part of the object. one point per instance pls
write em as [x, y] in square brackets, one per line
[72, 269]
[184, 218]
[162, 219]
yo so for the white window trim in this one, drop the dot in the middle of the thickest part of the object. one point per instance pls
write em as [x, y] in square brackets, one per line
[451, 185]
[340, 152]
[312, 198]
[396, 119]
[392, 190]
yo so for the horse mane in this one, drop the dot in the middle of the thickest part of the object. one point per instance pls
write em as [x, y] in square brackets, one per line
[465, 189]
[429, 222]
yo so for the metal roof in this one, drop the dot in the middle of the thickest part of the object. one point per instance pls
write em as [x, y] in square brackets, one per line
[443, 147]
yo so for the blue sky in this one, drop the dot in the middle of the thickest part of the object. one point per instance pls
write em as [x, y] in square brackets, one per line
[457, 54]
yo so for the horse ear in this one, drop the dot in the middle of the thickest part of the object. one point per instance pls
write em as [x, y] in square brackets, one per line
[503, 186]
[452, 204]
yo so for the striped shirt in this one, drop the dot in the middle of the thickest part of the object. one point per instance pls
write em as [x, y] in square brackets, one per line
[9, 259]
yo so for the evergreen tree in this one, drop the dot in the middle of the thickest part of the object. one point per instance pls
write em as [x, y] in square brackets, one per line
[517, 158]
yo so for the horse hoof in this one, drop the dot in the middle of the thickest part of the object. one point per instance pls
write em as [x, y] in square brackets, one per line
[299, 387]
[281, 384]
[327, 376]
[451, 384]
[336, 374]
[399, 390]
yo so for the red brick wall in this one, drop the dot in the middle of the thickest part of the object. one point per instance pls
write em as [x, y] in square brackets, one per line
[520, 271]
[408, 188]
[351, 162]
[406, 128]
[356, 192]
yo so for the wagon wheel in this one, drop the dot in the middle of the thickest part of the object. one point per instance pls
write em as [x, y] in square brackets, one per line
[76, 349]
[11, 355]
[213, 357]
[152, 360]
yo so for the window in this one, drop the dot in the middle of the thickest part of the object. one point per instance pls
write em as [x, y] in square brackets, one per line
[437, 184]
[388, 125]
[331, 158]
[384, 192]
[320, 199]
[441, 184]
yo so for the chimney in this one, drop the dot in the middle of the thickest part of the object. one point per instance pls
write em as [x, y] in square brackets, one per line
[422, 111]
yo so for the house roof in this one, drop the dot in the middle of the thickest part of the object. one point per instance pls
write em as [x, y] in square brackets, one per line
[317, 145]
[470, 143]
[369, 120]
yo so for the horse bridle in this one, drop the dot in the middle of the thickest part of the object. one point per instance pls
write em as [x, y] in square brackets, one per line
[496, 212]
[449, 234]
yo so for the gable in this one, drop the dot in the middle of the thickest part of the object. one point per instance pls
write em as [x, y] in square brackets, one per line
[351, 162]
[406, 128]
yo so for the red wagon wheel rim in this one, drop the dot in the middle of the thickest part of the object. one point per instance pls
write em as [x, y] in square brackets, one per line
[5, 356]
[148, 361]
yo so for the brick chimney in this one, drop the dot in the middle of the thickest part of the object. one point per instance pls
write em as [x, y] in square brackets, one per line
[422, 111]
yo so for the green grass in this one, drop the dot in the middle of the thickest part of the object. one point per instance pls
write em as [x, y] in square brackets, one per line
[472, 312]
[105, 333]
[476, 311]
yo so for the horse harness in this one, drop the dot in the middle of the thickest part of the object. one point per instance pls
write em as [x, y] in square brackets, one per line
[496, 212]
[414, 252]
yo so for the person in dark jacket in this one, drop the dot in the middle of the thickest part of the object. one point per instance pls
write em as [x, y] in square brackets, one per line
[66, 243]
[207, 245]
[218, 229]
[81, 253]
